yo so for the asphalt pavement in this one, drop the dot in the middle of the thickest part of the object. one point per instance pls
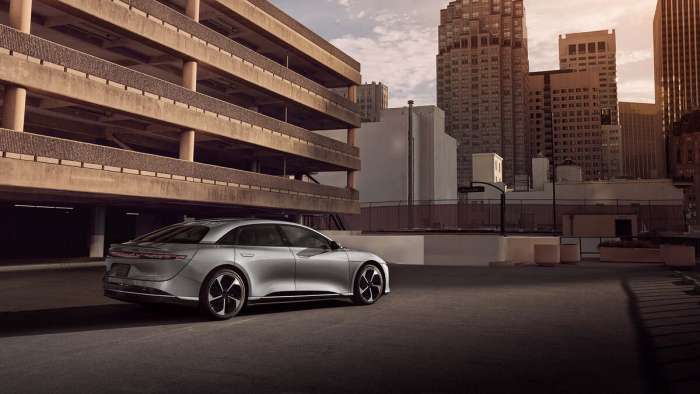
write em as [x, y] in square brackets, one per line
[579, 329]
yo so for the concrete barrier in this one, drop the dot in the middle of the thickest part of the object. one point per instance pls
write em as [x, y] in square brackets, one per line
[447, 249]
[547, 255]
[678, 256]
[630, 255]
[570, 254]
[521, 250]
[464, 250]
[398, 249]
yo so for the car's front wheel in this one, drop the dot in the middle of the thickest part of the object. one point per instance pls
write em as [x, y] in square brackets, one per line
[223, 294]
[369, 285]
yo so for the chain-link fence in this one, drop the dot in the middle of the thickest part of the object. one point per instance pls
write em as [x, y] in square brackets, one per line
[522, 216]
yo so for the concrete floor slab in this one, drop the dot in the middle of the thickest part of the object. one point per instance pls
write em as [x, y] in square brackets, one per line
[443, 329]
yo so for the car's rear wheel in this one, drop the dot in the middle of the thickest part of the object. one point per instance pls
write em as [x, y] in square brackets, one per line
[369, 285]
[223, 294]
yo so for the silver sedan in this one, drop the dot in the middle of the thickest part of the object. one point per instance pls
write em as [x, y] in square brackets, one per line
[223, 265]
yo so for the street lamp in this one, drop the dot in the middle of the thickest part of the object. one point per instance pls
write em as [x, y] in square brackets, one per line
[477, 189]
[410, 164]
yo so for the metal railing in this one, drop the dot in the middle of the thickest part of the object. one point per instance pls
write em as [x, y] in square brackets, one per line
[522, 216]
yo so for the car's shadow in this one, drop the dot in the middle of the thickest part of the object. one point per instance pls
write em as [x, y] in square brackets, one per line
[265, 309]
[114, 316]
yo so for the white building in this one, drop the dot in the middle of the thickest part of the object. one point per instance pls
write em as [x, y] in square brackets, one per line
[487, 167]
[384, 154]
[571, 189]
[611, 208]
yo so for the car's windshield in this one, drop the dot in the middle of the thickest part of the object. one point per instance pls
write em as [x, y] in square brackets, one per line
[179, 234]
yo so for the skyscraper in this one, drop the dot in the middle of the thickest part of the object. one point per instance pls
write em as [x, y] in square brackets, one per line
[643, 153]
[373, 98]
[565, 123]
[676, 59]
[597, 51]
[482, 69]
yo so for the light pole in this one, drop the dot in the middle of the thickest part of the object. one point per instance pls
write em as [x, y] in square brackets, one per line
[503, 202]
[410, 164]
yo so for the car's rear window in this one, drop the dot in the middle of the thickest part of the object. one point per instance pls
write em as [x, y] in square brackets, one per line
[178, 234]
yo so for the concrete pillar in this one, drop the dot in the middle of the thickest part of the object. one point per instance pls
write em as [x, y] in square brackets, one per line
[189, 81]
[255, 166]
[21, 15]
[14, 107]
[192, 9]
[352, 139]
[187, 138]
[97, 232]
[189, 75]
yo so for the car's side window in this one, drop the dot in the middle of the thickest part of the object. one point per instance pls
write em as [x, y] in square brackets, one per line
[253, 235]
[299, 237]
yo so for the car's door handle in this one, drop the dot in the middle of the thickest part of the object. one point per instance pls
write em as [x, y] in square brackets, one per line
[247, 254]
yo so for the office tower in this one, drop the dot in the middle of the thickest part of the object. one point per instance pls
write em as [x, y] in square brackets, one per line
[676, 59]
[564, 119]
[147, 111]
[597, 51]
[373, 98]
[643, 151]
[482, 69]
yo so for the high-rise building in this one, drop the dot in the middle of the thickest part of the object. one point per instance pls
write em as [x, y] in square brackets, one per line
[683, 159]
[643, 151]
[564, 120]
[119, 116]
[482, 69]
[676, 59]
[596, 51]
[373, 98]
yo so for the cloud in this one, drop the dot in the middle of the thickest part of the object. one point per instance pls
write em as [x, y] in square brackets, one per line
[396, 40]
[398, 53]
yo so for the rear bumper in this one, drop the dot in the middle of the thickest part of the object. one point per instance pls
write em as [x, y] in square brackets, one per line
[142, 294]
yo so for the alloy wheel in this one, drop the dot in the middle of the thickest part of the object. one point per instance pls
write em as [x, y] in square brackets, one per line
[371, 284]
[226, 294]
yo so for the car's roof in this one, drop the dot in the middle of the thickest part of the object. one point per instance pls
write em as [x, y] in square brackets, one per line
[219, 222]
[221, 226]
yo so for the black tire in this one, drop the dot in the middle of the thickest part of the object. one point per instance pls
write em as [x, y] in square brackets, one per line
[368, 288]
[223, 294]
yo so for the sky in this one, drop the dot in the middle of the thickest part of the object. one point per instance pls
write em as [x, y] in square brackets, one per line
[396, 40]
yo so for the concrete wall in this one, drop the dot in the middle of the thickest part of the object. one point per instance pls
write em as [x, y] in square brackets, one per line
[399, 249]
[465, 250]
[629, 190]
[521, 250]
[446, 249]
[596, 225]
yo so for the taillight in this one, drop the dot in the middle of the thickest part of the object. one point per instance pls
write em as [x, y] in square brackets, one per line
[146, 255]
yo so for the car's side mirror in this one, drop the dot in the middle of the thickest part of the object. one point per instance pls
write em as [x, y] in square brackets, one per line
[335, 246]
